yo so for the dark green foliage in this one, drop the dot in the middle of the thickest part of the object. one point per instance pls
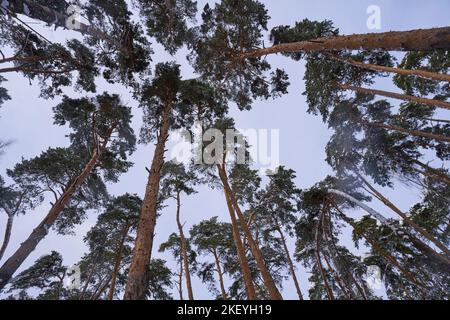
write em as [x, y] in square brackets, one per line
[167, 21]
[160, 280]
[230, 28]
[46, 274]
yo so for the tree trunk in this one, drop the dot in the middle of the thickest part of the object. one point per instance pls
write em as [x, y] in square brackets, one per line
[39, 233]
[220, 273]
[138, 274]
[398, 96]
[406, 72]
[320, 266]
[341, 283]
[405, 218]
[414, 133]
[383, 253]
[443, 177]
[268, 280]
[184, 253]
[413, 40]
[103, 285]
[243, 262]
[118, 260]
[8, 230]
[347, 269]
[290, 263]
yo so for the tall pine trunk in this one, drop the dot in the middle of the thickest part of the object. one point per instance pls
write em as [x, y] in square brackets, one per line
[39, 233]
[398, 96]
[184, 253]
[7, 236]
[406, 72]
[413, 40]
[243, 262]
[320, 266]
[137, 281]
[268, 280]
[118, 260]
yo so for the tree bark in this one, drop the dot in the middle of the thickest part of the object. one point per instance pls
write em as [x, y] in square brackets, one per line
[184, 253]
[398, 96]
[220, 273]
[39, 233]
[414, 133]
[7, 236]
[268, 280]
[137, 281]
[407, 72]
[243, 262]
[413, 40]
[118, 260]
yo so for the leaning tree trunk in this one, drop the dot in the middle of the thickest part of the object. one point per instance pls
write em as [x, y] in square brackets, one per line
[413, 40]
[118, 260]
[39, 233]
[220, 273]
[405, 218]
[268, 280]
[8, 230]
[289, 260]
[340, 282]
[243, 262]
[404, 72]
[442, 176]
[415, 133]
[184, 253]
[138, 274]
[320, 266]
[398, 96]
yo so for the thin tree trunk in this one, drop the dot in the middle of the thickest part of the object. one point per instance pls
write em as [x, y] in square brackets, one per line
[398, 96]
[39, 233]
[407, 72]
[405, 218]
[138, 274]
[290, 263]
[341, 284]
[7, 236]
[320, 266]
[220, 273]
[101, 289]
[243, 262]
[413, 40]
[383, 253]
[118, 260]
[347, 269]
[180, 279]
[414, 133]
[268, 280]
[184, 253]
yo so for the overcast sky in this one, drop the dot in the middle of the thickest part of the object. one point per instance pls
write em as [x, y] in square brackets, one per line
[27, 121]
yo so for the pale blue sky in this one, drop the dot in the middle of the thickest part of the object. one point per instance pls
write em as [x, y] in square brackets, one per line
[27, 120]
